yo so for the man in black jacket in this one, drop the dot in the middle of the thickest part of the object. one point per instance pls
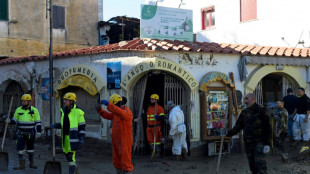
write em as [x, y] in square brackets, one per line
[255, 123]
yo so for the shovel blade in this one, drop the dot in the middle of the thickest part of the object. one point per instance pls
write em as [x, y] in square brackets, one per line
[52, 167]
[4, 161]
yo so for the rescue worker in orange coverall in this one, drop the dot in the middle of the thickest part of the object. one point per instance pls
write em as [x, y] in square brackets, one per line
[154, 123]
[121, 132]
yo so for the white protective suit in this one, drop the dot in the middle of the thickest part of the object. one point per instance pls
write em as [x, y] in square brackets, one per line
[301, 130]
[177, 130]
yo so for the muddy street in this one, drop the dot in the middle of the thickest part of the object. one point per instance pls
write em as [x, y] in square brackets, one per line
[96, 158]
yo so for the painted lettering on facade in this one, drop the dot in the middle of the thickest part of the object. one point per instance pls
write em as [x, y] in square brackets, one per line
[160, 64]
[82, 70]
[216, 76]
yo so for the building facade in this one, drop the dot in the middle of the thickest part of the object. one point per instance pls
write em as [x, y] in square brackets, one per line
[200, 77]
[24, 26]
[256, 22]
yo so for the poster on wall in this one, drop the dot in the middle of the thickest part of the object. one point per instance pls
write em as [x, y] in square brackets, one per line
[114, 75]
[45, 88]
[166, 23]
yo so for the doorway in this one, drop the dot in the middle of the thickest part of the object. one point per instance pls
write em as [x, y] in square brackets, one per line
[168, 87]
[272, 88]
[14, 89]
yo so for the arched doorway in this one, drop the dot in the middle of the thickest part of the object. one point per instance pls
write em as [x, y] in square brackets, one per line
[168, 87]
[14, 89]
[273, 86]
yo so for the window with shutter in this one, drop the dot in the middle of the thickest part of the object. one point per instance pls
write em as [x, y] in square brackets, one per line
[248, 10]
[4, 10]
[208, 17]
[58, 17]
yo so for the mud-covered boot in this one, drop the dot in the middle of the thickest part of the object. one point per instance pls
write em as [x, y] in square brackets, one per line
[31, 165]
[31, 161]
[21, 165]
[72, 169]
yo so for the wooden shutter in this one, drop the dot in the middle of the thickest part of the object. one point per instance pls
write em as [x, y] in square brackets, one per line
[4, 10]
[248, 10]
[58, 17]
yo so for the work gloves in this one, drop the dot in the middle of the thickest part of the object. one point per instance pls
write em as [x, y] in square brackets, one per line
[105, 102]
[157, 117]
[7, 120]
[266, 149]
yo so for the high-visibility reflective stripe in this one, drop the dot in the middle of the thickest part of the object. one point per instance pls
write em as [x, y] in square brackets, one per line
[30, 151]
[155, 143]
[148, 116]
[74, 129]
[72, 163]
[74, 140]
[22, 152]
[82, 132]
[25, 127]
[38, 124]
[26, 122]
[151, 119]
[82, 123]
[161, 114]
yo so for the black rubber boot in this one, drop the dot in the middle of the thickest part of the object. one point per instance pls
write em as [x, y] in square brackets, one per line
[31, 164]
[72, 169]
[21, 165]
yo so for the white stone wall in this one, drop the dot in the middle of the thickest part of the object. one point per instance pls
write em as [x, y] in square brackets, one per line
[275, 19]
[223, 63]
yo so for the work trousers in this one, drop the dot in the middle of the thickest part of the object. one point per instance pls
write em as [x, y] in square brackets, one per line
[256, 158]
[179, 143]
[300, 128]
[25, 139]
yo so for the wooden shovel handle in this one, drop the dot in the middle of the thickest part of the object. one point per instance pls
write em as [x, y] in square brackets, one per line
[6, 124]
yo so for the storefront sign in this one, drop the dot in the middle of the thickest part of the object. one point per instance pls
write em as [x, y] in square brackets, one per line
[114, 75]
[215, 76]
[159, 64]
[85, 70]
[45, 88]
[166, 23]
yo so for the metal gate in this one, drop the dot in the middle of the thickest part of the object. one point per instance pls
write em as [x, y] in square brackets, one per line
[259, 93]
[175, 91]
[13, 89]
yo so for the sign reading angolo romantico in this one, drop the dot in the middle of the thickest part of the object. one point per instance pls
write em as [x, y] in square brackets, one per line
[85, 70]
[159, 64]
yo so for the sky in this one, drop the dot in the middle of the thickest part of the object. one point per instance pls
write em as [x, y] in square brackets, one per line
[130, 8]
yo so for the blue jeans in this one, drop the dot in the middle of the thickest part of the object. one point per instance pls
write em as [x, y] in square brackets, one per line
[290, 126]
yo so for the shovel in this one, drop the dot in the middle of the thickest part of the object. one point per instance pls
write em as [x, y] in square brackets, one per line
[52, 167]
[4, 156]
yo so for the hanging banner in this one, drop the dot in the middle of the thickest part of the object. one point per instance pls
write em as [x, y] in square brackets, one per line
[114, 75]
[166, 23]
[45, 88]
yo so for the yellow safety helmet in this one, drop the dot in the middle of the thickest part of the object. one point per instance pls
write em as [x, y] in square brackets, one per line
[155, 96]
[26, 97]
[70, 96]
[115, 98]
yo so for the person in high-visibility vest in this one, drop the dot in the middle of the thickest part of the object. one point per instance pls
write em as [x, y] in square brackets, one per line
[72, 124]
[154, 123]
[122, 139]
[28, 122]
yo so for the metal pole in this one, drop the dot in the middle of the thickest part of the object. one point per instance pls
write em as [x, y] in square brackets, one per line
[123, 29]
[51, 66]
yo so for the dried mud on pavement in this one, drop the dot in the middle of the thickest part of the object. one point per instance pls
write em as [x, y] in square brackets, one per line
[95, 157]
